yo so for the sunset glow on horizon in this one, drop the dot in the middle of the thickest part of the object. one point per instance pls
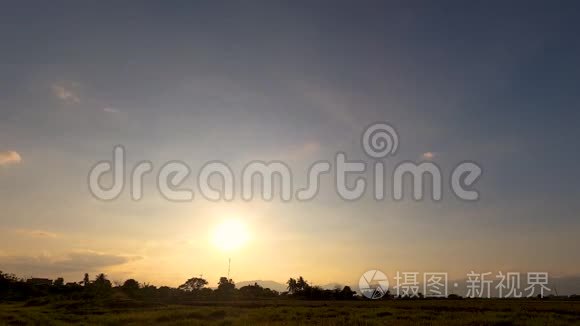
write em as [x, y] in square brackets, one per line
[321, 140]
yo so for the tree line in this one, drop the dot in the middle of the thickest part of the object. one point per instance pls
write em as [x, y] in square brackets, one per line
[13, 288]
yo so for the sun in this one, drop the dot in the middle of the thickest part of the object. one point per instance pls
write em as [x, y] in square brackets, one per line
[230, 235]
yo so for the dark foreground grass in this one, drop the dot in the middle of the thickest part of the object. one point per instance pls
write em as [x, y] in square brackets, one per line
[291, 312]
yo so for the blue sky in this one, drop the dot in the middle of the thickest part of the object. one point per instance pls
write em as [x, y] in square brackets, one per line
[495, 83]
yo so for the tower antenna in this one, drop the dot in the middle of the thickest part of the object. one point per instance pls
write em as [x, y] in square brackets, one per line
[229, 266]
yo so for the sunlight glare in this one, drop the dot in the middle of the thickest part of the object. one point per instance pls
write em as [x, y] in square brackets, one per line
[230, 235]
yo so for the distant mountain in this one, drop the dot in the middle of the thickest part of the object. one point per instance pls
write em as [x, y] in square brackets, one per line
[332, 286]
[273, 285]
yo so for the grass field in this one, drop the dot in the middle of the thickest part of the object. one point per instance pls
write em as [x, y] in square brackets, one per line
[294, 312]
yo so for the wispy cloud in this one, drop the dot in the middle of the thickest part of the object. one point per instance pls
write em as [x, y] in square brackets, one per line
[429, 155]
[66, 93]
[296, 152]
[37, 233]
[111, 110]
[9, 157]
[304, 150]
[92, 259]
[82, 261]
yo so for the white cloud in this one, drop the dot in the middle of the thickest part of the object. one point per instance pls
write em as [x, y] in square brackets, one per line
[9, 157]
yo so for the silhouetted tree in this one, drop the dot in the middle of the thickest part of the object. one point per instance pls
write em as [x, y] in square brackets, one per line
[130, 284]
[8, 285]
[58, 282]
[226, 284]
[257, 291]
[100, 287]
[148, 290]
[346, 293]
[86, 280]
[130, 287]
[292, 286]
[193, 284]
[102, 282]
[301, 284]
[226, 287]
[299, 287]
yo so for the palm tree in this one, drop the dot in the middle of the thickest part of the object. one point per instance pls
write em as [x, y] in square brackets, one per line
[292, 285]
[302, 284]
[86, 280]
[101, 281]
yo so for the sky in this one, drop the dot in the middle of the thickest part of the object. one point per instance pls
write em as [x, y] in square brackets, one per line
[495, 83]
